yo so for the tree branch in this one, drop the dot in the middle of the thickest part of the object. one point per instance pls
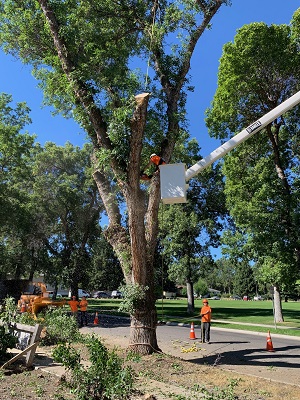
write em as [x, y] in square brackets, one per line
[138, 123]
[209, 12]
[80, 90]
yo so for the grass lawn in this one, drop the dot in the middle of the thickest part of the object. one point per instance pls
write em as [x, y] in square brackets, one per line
[236, 313]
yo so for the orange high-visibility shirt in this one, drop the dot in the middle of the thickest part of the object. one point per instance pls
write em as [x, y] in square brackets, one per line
[73, 305]
[206, 314]
[157, 160]
[83, 305]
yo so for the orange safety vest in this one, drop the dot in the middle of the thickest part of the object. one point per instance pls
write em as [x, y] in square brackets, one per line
[157, 160]
[206, 314]
[83, 305]
[73, 305]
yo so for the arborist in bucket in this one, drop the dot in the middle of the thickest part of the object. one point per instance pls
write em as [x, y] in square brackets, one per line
[154, 160]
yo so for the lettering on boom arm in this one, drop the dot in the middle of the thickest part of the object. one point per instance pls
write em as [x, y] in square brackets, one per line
[253, 126]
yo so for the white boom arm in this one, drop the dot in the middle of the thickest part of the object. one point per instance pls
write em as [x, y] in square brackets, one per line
[243, 135]
[173, 177]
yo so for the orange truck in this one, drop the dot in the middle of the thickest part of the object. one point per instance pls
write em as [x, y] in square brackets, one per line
[35, 298]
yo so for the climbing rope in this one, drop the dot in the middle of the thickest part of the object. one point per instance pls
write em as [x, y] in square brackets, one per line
[162, 268]
[153, 10]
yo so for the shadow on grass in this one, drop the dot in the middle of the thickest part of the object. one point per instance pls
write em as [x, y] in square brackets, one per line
[176, 310]
[233, 313]
[239, 313]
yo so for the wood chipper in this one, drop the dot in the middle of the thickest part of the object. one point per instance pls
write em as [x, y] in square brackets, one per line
[35, 298]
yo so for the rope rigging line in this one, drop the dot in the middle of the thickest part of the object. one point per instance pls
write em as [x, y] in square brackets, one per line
[153, 10]
[162, 268]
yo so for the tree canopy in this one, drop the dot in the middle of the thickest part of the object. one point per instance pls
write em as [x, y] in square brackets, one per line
[68, 209]
[50, 210]
[17, 151]
[258, 71]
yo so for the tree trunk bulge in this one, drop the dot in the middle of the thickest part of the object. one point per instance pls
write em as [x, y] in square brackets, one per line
[143, 332]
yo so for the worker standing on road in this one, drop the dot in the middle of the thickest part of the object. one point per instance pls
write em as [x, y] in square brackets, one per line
[205, 314]
[74, 303]
[83, 309]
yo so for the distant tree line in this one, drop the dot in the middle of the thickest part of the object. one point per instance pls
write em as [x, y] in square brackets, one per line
[50, 210]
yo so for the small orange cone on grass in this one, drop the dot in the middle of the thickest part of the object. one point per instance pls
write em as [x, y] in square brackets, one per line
[96, 320]
[192, 332]
[269, 342]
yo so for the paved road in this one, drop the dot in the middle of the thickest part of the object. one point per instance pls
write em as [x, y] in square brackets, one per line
[240, 351]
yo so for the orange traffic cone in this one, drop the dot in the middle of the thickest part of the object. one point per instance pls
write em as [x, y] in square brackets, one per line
[269, 342]
[192, 332]
[23, 307]
[96, 320]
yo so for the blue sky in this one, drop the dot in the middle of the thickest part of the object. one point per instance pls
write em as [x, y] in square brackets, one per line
[16, 78]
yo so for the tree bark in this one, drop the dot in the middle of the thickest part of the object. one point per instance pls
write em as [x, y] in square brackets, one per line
[190, 297]
[143, 331]
[278, 317]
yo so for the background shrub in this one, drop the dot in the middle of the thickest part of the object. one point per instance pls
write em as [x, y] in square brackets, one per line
[60, 327]
[7, 341]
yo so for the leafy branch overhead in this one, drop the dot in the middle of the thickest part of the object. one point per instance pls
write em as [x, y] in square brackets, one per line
[89, 58]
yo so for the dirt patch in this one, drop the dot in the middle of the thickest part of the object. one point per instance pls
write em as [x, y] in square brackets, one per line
[18, 382]
[160, 375]
[169, 377]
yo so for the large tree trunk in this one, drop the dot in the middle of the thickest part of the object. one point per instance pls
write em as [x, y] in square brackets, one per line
[144, 318]
[143, 327]
[190, 297]
[135, 248]
[278, 317]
